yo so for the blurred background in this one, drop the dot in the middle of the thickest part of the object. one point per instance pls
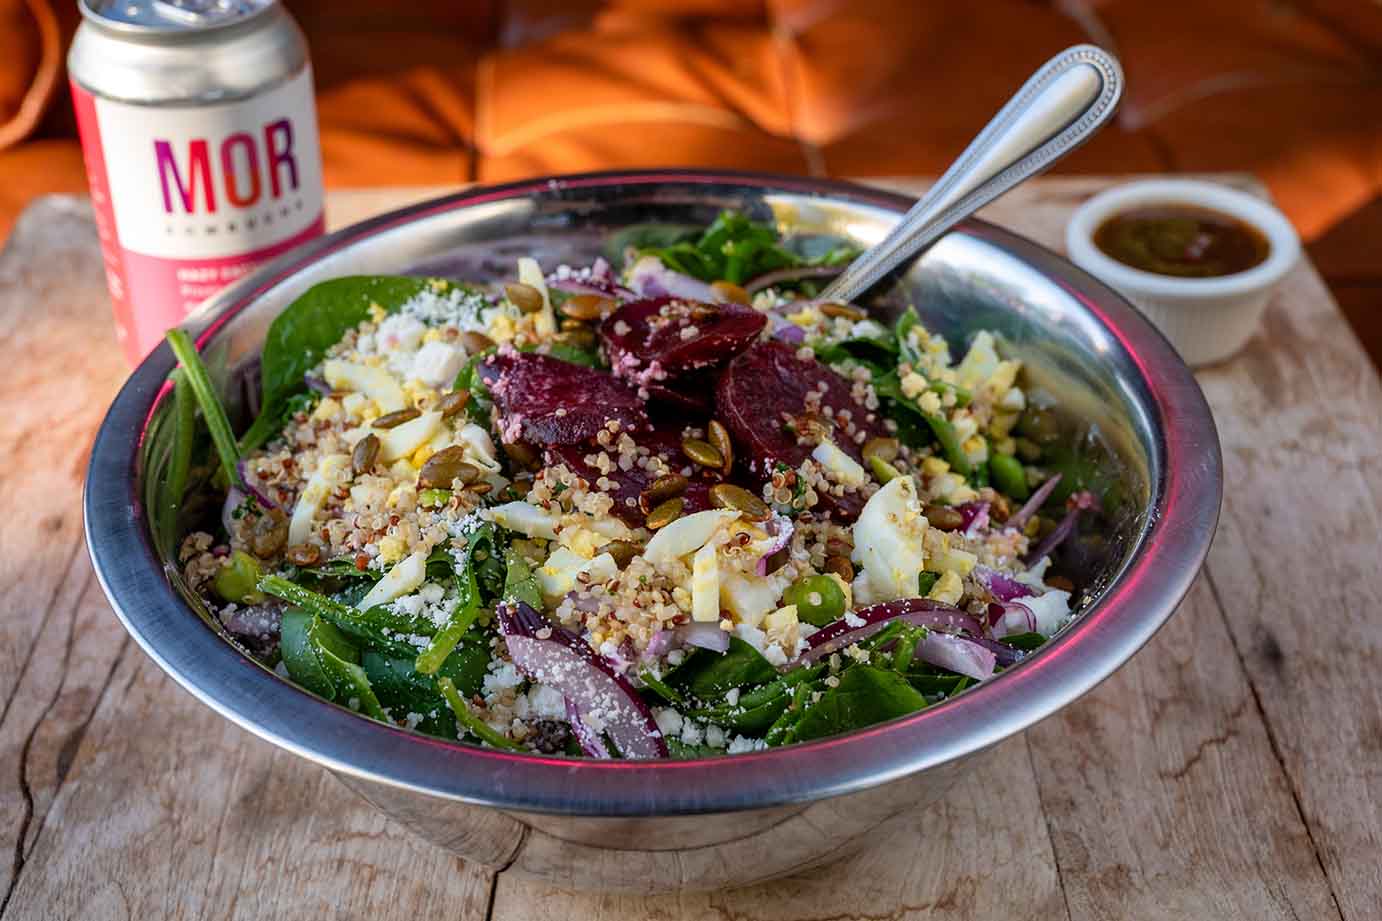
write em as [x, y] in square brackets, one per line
[436, 92]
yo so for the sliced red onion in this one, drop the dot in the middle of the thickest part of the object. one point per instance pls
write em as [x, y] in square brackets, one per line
[650, 278]
[1005, 655]
[556, 657]
[1053, 540]
[957, 654]
[663, 642]
[705, 635]
[1011, 618]
[317, 385]
[253, 487]
[780, 528]
[591, 744]
[974, 517]
[865, 622]
[235, 497]
[790, 333]
[797, 273]
[1034, 504]
[599, 280]
[583, 601]
[1000, 585]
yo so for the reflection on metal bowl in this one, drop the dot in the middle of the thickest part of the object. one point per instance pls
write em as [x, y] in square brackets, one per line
[1123, 399]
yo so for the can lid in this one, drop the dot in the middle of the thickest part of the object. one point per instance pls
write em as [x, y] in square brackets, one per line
[168, 16]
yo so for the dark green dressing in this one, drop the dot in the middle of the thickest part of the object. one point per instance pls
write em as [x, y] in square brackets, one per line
[1182, 241]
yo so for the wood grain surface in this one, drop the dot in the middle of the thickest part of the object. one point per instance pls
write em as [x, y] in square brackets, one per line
[1230, 771]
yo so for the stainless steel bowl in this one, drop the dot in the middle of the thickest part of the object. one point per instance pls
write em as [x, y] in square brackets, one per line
[1128, 403]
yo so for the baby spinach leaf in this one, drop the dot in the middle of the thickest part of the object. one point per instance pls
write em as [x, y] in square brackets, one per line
[1024, 641]
[708, 674]
[300, 655]
[404, 691]
[906, 350]
[641, 237]
[520, 584]
[378, 627]
[682, 751]
[865, 695]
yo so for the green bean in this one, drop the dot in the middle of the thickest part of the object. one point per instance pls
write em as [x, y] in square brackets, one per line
[883, 471]
[907, 647]
[468, 720]
[375, 626]
[445, 640]
[925, 582]
[819, 599]
[212, 411]
[1009, 476]
[661, 688]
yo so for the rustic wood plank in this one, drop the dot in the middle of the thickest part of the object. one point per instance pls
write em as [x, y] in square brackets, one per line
[170, 811]
[982, 852]
[1162, 793]
[1296, 566]
[58, 638]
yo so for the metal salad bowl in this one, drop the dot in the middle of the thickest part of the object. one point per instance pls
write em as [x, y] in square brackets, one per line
[1128, 409]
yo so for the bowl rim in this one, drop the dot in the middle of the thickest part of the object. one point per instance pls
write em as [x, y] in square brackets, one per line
[1282, 239]
[1185, 490]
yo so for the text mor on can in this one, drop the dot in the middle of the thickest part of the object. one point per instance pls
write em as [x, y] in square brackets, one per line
[199, 133]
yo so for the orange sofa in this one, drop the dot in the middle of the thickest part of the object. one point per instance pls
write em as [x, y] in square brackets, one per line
[439, 92]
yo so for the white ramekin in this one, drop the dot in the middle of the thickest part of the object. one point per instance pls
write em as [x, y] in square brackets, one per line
[1206, 319]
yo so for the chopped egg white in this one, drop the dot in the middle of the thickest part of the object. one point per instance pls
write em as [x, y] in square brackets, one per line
[686, 535]
[402, 579]
[838, 465]
[527, 519]
[403, 440]
[705, 585]
[376, 383]
[889, 541]
[319, 486]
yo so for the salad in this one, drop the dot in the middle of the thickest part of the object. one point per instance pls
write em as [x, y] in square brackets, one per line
[667, 505]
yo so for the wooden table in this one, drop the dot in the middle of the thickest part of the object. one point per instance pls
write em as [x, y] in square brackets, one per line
[1233, 770]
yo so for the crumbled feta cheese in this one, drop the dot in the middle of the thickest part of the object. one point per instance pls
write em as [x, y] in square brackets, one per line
[437, 364]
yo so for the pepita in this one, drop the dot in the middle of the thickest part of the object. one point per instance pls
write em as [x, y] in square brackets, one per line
[845, 311]
[453, 402]
[666, 513]
[365, 454]
[623, 551]
[390, 420]
[475, 342]
[885, 449]
[587, 307]
[525, 297]
[731, 292]
[583, 338]
[727, 495]
[660, 490]
[447, 465]
[943, 517]
[719, 440]
[522, 455]
[840, 566]
[703, 453]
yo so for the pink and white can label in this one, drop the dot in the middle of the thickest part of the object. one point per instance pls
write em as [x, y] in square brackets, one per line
[191, 197]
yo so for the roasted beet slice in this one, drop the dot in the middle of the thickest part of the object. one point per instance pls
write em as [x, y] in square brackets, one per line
[547, 401]
[762, 398]
[664, 442]
[662, 337]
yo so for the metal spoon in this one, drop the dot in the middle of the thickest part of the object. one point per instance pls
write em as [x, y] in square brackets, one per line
[1059, 108]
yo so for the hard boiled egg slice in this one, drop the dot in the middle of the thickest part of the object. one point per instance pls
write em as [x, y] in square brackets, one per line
[375, 383]
[888, 540]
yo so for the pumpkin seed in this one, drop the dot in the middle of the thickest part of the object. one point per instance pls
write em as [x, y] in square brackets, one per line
[475, 342]
[666, 513]
[587, 307]
[271, 533]
[840, 566]
[846, 311]
[731, 292]
[719, 440]
[522, 455]
[447, 465]
[303, 554]
[569, 325]
[943, 517]
[392, 420]
[623, 551]
[453, 402]
[521, 487]
[703, 453]
[365, 454]
[480, 487]
[525, 297]
[660, 490]
[583, 338]
[885, 449]
[727, 495]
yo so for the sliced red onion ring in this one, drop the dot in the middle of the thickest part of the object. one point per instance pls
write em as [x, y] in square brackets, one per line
[650, 278]
[1078, 503]
[974, 517]
[556, 657]
[797, 273]
[253, 487]
[922, 612]
[957, 654]
[1011, 618]
[317, 385]
[705, 635]
[1000, 585]
[1005, 655]
[663, 642]
[1034, 504]
[599, 281]
[780, 527]
[235, 497]
[591, 744]
[790, 333]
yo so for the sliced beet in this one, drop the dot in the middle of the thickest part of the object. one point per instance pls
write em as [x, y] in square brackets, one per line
[764, 391]
[664, 442]
[546, 401]
[651, 340]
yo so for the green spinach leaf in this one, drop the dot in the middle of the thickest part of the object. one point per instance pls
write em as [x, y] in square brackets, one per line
[865, 695]
[707, 674]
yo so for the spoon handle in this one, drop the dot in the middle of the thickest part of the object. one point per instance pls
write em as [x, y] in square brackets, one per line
[1058, 108]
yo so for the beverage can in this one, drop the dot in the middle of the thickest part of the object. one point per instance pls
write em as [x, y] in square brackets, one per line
[199, 133]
